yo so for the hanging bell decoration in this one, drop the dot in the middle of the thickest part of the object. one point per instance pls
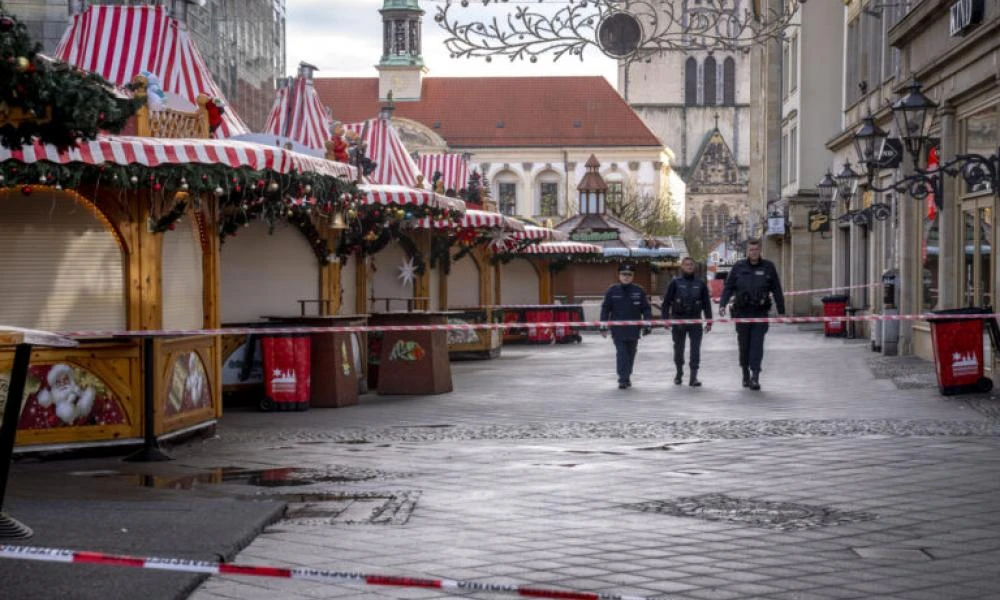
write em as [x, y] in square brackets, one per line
[338, 222]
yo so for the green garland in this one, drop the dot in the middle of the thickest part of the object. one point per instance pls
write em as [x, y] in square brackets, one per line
[58, 104]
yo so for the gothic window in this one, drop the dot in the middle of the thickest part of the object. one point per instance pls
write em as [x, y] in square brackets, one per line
[707, 224]
[691, 82]
[386, 37]
[729, 82]
[710, 74]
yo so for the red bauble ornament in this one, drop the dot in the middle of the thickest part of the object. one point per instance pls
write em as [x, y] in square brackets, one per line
[6, 24]
[157, 187]
[260, 183]
[237, 188]
[172, 226]
[26, 190]
[204, 177]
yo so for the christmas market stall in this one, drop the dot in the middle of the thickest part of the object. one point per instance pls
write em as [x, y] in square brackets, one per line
[547, 256]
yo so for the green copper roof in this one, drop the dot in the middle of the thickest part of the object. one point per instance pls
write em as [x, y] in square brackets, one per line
[401, 5]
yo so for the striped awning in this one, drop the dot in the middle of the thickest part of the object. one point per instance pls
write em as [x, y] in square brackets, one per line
[298, 114]
[562, 248]
[475, 219]
[454, 169]
[119, 42]
[155, 152]
[394, 165]
[379, 194]
[533, 232]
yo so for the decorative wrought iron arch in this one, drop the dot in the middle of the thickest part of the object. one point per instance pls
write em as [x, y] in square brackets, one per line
[621, 29]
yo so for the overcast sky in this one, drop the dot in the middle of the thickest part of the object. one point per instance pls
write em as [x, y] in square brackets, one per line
[344, 38]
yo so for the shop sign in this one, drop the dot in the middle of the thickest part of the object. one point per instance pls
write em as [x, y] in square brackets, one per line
[819, 221]
[892, 154]
[776, 225]
[594, 236]
[965, 14]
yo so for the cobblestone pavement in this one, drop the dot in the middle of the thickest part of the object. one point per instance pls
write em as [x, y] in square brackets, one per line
[848, 476]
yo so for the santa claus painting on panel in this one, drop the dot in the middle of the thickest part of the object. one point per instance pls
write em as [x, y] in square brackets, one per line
[62, 395]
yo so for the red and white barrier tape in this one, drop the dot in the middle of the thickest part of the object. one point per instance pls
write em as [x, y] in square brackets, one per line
[198, 566]
[504, 326]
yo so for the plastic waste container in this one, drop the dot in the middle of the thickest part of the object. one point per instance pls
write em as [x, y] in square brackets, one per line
[958, 351]
[286, 372]
[834, 306]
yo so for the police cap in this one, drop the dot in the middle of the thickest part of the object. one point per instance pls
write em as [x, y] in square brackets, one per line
[626, 268]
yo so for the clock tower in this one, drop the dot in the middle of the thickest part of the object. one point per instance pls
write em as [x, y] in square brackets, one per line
[401, 69]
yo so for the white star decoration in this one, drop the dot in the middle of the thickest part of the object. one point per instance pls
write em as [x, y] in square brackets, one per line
[501, 240]
[407, 271]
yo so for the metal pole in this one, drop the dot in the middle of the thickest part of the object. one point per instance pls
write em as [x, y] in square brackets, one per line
[150, 451]
[10, 528]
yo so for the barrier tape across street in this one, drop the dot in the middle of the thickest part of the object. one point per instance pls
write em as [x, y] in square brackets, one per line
[518, 325]
[61, 555]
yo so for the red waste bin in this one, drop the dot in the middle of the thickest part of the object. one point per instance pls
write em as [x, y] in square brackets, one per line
[539, 335]
[286, 372]
[958, 351]
[834, 306]
[564, 334]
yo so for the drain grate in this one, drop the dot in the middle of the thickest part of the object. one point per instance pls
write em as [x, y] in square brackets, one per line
[362, 508]
[756, 513]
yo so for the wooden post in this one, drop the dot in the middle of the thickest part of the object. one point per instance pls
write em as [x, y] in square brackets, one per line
[544, 282]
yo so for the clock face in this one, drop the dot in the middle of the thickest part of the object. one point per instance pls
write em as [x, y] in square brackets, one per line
[396, 82]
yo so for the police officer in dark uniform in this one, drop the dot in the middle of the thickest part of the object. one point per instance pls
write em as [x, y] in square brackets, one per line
[625, 301]
[687, 298]
[751, 284]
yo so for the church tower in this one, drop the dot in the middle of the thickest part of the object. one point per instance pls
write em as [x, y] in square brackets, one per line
[401, 70]
[698, 104]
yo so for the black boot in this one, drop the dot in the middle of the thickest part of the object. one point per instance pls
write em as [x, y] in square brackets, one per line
[679, 377]
[694, 379]
[746, 377]
[755, 381]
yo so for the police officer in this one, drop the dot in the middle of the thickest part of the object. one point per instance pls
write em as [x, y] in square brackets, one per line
[687, 298]
[625, 302]
[751, 284]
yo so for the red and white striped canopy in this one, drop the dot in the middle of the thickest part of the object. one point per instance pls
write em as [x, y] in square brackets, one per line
[454, 169]
[298, 114]
[154, 152]
[562, 248]
[394, 166]
[397, 194]
[475, 219]
[533, 232]
[119, 42]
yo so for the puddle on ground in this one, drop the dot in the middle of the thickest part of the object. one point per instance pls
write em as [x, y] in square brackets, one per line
[673, 446]
[271, 478]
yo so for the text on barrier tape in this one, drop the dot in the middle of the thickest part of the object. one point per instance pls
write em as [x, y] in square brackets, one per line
[180, 565]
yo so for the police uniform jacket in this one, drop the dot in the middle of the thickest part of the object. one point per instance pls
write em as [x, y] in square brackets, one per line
[625, 303]
[752, 287]
[687, 298]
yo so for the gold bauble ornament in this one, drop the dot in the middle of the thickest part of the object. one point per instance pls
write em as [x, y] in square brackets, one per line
[23, 63]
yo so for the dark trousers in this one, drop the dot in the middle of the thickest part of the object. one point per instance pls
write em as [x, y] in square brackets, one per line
[680, 332]
[750, 337]
[625, 358]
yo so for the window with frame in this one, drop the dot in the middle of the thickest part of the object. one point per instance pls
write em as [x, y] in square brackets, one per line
[786, 62]
[548, 199]
[508, 198]
[852, 64]
[690, 82]
[729, 82]
[784, 159]
[615, 194]
[793, 163]
[793, 66]
[981, 133]
[710, 81]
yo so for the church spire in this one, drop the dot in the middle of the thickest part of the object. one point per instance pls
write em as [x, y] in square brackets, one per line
[401, 68]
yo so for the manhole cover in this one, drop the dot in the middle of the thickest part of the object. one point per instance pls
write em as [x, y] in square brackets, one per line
[366, 508]
[756, 513]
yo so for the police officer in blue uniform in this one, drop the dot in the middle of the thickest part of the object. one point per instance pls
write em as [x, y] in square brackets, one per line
[751, 284]
[687, 298]
[625, 301]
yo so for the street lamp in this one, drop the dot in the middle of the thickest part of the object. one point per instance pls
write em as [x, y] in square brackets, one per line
[827, 188]
[914, 113]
